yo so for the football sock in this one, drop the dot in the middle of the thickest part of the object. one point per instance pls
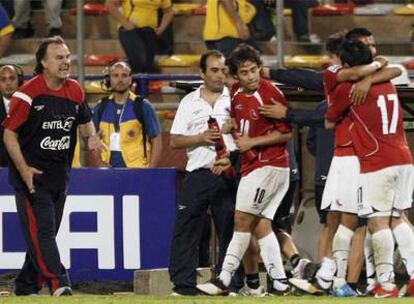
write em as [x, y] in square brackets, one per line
[340, 247]
[404, 237]
[252, 280]
[326, 272]
[235, 251]
[383, 245]
[294, 260]
[270, 252]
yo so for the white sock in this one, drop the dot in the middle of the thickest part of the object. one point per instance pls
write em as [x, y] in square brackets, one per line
[369, 256]
[383, 245]
[340, 247]
[272, 259]
[404, 237]
[327, 269]
[234, 254]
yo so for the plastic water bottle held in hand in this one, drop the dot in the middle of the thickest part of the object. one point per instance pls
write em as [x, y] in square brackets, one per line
[220, 146]
[250, 154]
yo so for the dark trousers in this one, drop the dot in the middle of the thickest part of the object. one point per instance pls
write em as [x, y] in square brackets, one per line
[300, 15]
[318, 202]
[281, 219]
[40, 215]
[200, 190]
[227, 44]
[140, 46]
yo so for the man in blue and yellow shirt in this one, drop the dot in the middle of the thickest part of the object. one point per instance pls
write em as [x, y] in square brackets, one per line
[6, 30]
[120, 128]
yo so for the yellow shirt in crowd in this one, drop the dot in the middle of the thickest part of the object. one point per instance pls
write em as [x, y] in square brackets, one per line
[144, 13]
[218, 23]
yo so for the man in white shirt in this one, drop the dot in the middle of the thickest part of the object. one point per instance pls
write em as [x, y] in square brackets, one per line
[10, 79]
[201, 188]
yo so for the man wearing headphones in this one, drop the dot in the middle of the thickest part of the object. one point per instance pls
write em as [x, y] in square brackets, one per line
[128, 125]
[11, 77]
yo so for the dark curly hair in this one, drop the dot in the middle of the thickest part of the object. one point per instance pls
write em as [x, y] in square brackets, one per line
[240, 54]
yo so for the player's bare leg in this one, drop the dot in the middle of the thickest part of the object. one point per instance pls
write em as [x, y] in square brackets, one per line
[356, 257]
[327, 235]
[251, 269]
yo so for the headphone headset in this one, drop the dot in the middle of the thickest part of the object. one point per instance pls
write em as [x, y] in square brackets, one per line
[17, 69]
[106, 81]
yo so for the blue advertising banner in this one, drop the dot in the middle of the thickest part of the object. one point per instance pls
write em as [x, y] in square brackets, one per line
[115, 221]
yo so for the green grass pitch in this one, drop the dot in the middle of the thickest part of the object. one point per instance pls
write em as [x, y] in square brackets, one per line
[131, 299]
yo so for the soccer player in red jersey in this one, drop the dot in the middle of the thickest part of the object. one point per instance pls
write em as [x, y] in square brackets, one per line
[340, 198]
[387, 178]
[265, 179]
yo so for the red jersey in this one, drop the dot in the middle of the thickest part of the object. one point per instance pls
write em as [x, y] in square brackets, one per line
[377, 131]
[245, 110]
[343, 141]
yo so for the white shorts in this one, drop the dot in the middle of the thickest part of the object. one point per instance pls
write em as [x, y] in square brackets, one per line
[261, 191]
[386, 190]
[341, 188]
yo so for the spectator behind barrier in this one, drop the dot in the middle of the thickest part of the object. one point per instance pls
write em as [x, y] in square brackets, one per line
[11, 77]
[226, 24]
[6, 30]
[139, 29]
[128, 124]
[22, 22]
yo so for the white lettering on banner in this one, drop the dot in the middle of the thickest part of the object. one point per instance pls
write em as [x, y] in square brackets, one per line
[55, 144]
[8, 260]
[103, 239]
[65, 125]
[130, 225]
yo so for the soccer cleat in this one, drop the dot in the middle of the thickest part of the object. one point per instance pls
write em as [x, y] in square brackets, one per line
[299, 271]
[258, 292]
[277, 292]
[176, 294]
[321, 283]
[410, 288]
[279, 287]
[344, 291]
[390, 291]
[372, 287]
[213, 288]
[325, 274]
[305, 286]
[62, 291]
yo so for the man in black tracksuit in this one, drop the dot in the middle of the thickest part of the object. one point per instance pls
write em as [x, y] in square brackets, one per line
[40, 136]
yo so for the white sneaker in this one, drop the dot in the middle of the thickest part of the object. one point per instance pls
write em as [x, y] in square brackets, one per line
[258, 292]
[305, 286]
[213, 288]
[299, 271]
[62, 291]
[175, 294]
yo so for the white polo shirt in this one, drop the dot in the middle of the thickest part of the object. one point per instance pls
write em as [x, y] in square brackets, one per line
[191, 119]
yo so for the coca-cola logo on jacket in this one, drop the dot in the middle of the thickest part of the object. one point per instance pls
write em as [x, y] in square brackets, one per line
[48, 143]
